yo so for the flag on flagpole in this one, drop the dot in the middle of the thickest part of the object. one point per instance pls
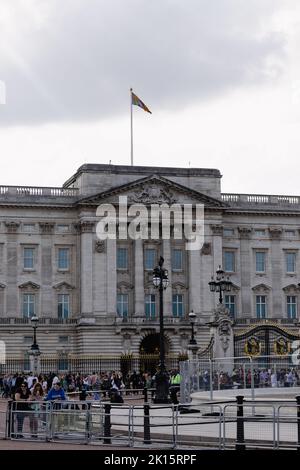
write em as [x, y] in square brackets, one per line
[137, 102]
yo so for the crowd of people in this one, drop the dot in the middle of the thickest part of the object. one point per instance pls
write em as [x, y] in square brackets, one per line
[258, 378]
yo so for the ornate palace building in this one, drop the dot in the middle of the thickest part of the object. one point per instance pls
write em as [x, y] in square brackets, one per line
[96, 297]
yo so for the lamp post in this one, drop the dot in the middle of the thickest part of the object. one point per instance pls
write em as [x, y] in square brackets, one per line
[220, 284]
[34, 350]
[193, 346]
[161, 282]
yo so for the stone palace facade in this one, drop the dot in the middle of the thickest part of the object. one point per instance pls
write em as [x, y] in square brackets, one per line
[97, 297]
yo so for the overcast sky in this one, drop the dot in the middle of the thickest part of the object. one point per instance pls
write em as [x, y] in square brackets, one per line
[221, 77]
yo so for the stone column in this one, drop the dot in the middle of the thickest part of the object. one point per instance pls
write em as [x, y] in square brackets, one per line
[86, 268]
[167, 299]
[111, 276]
[194, 281]
[245, 270]
[11, 269]
[139, 277]
[217, 252]
[275, 256]
[46, 300]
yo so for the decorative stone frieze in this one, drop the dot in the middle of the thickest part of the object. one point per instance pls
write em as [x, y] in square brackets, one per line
[217, 229]
[275, 231]
[153, 194]
[86, 226]
[100, 246]
[206, 249]
[46, 227]
[12, 226]
[245, 231]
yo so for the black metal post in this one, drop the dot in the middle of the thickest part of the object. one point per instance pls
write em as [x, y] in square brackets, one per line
[298, 422]
[107, 425]
[240, 437]
[147, 437]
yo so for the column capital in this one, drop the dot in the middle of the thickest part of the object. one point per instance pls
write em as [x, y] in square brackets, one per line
[12, 226]
[245, 231]
[275, 231]
[217, 229]
[86, 226]
[46, 227]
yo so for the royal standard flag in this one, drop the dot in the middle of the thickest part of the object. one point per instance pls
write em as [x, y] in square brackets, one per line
[137, 102]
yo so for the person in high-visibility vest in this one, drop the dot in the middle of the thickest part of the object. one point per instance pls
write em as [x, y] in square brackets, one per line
[175, 386]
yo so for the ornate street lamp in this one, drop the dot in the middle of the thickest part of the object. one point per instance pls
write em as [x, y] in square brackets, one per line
[220, 284]
[192, 317]
[34, 321]
[161, 282]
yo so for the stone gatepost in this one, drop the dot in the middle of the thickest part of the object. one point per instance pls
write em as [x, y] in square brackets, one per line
[222, 332]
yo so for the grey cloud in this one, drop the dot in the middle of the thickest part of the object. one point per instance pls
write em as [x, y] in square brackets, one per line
[80, 63]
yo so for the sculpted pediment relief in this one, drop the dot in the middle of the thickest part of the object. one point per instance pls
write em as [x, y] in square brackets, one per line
[153, 190]
[29, 285]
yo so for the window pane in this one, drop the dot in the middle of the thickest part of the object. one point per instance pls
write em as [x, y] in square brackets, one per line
[63, 305]
[260, 261]
[290, 262]
[122, 258]
[28, 258]
[150, 306]
[229, 261]
[150, 258]
[230, 304]
[122, 305]
[261, 306]
[28, 305]
[177, 259]
[177, 305]
[63, 258]
[291, 306]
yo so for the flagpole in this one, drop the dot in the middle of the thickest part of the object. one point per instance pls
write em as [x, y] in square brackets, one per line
[131, 129]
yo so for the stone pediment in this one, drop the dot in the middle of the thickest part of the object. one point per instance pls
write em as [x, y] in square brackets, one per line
[291, 288]
[29, 285]
[63, 285]
[261, 288]
[153, 190]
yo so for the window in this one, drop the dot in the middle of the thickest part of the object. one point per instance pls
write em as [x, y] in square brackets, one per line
[26, 364]
[62, 228]
[29, 228]
[122, 305]
[28, 339]
[230, 304]
[290, 262]
[290, 233]
[260, 261]
[63, 339]
[260, 233]
[28, 305]
[228, 232]
[63, 306]
[177, 260]
[28, 258]
[229, 261]
[291, 306]
[63, 362]
[122, 258]
[177, 305]
[150, 258]
[63, 258]
[261, 306]
[150, 306]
